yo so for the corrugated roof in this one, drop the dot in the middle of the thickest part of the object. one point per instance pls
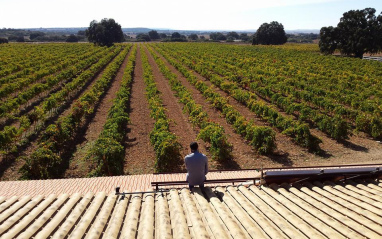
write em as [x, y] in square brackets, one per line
[311, 210]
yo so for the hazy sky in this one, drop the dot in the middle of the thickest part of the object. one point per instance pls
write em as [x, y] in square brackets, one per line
[179, 14]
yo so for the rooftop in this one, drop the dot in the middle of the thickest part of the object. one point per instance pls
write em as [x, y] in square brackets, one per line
[311, 210]
[336, 207]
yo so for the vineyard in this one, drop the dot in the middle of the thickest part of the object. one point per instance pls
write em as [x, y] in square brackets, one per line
[77, 110]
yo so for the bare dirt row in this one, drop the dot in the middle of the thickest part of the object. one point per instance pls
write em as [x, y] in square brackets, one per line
[78, 165]
[11, 169]
[358, 149]
[140, 155]
[243, 155]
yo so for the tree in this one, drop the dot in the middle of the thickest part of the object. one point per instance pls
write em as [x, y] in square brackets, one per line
[218, 36]
[72, 38]
[233, 35]
[143, 37]
[20, 39]
[104, 33]
[270, 34]
[162, 35]
[175, 35]
[154, 35]
[193, 37]
[358, 31]
[3, 40]
[34, 35]
[328, 40]
[230, 39]
[244, 37]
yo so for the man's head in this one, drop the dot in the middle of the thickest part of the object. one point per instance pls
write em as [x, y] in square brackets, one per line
[194, 146]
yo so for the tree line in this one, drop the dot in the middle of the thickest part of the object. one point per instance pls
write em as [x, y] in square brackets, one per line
[358, 32]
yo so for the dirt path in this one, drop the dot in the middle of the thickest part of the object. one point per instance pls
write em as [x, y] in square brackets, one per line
[179, 124]
[140, 154]
[243, 155]
[79, 166]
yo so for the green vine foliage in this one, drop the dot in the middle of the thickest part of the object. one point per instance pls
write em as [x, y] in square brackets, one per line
[264, 143]
[57, 135]
[6, 137]
[44, 111]
[329, 93]
[247, 98]
[166, 145]
[210, 132]
[108, 153]
[43, 163]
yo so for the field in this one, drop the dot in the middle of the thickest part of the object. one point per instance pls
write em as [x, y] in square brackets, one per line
[76, 110]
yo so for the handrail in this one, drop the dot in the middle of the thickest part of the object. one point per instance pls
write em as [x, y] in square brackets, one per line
[283, 168]
[210, 181]
[314, 173]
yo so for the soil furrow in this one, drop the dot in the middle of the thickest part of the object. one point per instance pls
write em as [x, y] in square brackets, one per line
[243, 154]
[11, 164]
[140, 154]
[78, 166]
[286, 149]
[358, 148]
[179, 123]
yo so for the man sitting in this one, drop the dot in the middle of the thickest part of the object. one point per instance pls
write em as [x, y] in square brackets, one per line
[197, 167]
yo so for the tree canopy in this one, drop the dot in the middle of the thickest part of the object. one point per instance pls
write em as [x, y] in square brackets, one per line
[154, 35]
[358, 31]
[218, 36]
[34, 35]
[193, 37]
[244, 37]
[72, 38]
[233, 35]
[270, 34]
[162, 35]
[143, 37]
[104, 33]
[3, 40]
[175, 35]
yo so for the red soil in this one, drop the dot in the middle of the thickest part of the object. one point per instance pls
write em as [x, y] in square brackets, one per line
[140, 154]
[80, 166]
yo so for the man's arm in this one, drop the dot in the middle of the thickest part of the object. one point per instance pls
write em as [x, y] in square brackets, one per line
[185, 162]
[206, 167]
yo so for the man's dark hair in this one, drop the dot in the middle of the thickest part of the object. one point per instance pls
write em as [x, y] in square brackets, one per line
[194, 146]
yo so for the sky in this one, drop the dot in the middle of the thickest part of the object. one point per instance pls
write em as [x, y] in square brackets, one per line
[179, 14]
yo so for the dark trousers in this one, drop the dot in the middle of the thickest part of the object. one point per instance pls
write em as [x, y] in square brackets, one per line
[201, 186]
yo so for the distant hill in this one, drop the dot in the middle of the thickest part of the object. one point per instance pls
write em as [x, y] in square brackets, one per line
[60, 30]
[307, 31]
[137, 30]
